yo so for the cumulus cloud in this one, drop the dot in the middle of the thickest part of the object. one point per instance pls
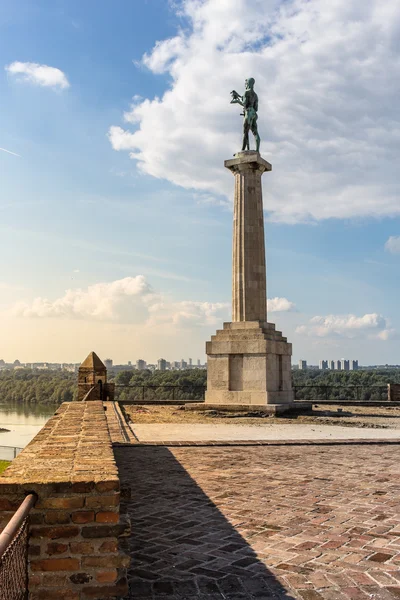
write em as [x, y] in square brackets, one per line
[393, 244]
[188, 313]
[388, 334]
[280, 305]
[163, 53]
[370, 325]
[120, 139]
[133, 300]
[102, 301]
[128, 300]
[42, 75]
[327, 75]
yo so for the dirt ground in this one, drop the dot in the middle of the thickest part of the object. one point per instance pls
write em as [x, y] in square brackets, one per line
[349, 416]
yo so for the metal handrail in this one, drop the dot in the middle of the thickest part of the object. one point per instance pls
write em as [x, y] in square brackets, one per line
[120, 423]
[340, 385]
[177, 386]
[326, 389]
[86, 396]
[15, 451]
[13, 526]
[172, 391]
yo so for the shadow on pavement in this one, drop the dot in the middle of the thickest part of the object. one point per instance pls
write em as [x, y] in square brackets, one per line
[181, 545]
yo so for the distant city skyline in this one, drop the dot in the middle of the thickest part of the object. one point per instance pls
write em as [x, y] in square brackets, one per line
[341, 364]
[141, 364]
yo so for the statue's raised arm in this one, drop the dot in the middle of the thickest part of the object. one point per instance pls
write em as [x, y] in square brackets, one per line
[249, 101]
[236, 98]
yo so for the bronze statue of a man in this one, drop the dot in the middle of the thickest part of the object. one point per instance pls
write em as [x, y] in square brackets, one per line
[249, 101]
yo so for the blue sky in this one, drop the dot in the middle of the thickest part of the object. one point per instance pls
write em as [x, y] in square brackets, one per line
[115, 217]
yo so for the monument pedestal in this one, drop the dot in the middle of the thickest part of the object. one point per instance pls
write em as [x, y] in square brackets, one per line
[248, 361]
[249, 364]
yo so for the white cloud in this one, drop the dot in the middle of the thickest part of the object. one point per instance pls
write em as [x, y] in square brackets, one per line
[128, 300]
[393, 244]
[327, 75]
[102, 301]
[370, 325]
[42, 75]
[280, 305]
[188, 313]
[388, 334]
[120, 139]
[133, 300]
[163, 53]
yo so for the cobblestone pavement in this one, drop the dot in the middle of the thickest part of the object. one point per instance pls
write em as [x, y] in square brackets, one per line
[284, 522]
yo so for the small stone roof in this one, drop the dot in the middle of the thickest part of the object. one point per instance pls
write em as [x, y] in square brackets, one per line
[93, 362]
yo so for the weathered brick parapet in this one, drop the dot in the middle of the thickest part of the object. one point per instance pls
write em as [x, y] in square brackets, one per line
[76, 522]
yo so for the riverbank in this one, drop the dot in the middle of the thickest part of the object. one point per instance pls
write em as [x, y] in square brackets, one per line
[3, 465]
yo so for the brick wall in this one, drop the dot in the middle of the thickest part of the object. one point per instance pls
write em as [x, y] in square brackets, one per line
[75, 525]
[88, 391]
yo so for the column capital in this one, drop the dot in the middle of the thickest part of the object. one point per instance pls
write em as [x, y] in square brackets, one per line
[247, 160]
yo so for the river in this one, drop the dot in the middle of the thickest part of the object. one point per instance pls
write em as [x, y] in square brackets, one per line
[23, 422]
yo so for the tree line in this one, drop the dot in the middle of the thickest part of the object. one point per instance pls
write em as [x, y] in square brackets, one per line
[54, 387]
[24, 386]
[188, 384]
[340, 385]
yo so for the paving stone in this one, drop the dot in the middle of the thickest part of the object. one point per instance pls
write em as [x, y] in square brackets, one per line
[263, 522]
[207, 586]
[140, 588]
[380, 557]
[163, 588]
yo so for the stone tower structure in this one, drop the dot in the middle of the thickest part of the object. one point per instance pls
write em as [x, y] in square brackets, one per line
[92, 380]
[248, 361]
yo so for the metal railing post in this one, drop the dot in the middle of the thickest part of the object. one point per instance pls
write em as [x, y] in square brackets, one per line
[12, 527]
[14, 542]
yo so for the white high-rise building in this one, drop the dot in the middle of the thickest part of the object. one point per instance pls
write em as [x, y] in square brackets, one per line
[302, 365]
[141, 364]
[332, 365]
[354, 365]
[161, 364]
[108, 363]
[323, 364]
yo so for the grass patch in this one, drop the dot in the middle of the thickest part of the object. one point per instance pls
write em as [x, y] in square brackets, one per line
[3, 465]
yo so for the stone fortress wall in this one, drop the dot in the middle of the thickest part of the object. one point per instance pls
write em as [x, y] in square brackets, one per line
[76, 523]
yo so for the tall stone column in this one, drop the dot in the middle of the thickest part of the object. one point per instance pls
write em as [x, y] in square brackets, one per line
[248, 361]
[249, 283]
